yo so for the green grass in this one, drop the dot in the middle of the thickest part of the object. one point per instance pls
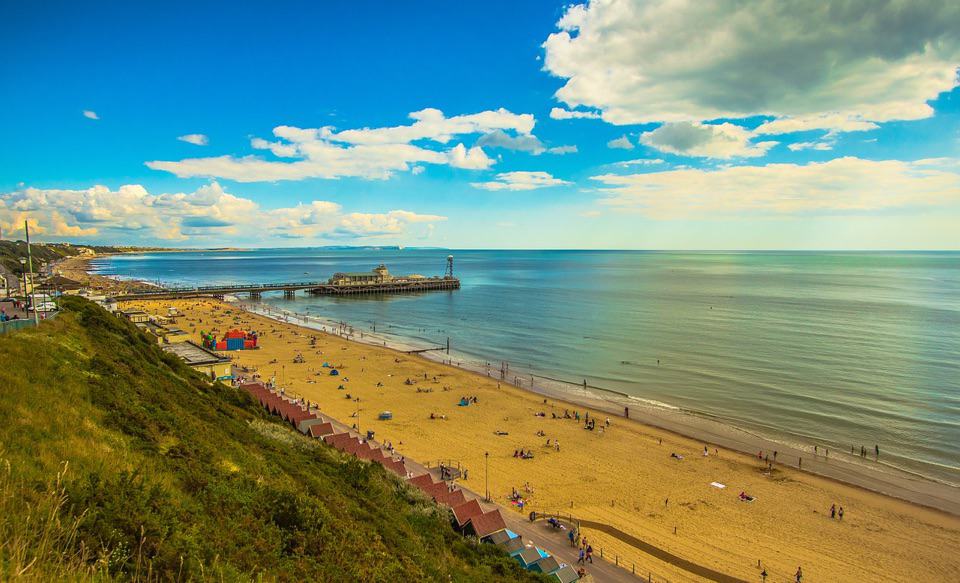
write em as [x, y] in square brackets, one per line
[119, 462]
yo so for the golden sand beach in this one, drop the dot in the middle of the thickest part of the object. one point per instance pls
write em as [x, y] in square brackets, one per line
[623, 476]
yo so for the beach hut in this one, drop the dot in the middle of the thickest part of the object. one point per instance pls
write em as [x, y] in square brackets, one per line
[512, 546]
[434, 490]
[320, 430]
[396, 466]
[451, 499]
[486, 524]
[466, 511]
[503, 536]
[565, 574]
[421, 481]
[546, 565]
[529, 556]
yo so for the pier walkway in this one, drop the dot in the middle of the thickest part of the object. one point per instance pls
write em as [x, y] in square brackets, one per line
[290, 289]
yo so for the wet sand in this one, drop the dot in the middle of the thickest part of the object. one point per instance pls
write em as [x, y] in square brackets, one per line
[623, 476]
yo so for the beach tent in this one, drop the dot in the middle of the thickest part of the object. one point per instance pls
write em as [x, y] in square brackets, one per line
[565, 574]
[334, 372]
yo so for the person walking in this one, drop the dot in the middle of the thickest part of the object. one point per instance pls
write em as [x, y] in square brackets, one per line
[799, 575]
[840, 513]
[582, 555]
[833, 511]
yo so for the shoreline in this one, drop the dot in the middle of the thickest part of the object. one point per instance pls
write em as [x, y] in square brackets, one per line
[872, 476]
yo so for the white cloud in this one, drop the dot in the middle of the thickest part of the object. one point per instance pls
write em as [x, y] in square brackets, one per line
[522, 142]
[561, 150]
[473, 159]
[373, 153]
[561, 113]
[641, 162]
[89, 114]
[195, 139]
[844, 185]
[832, 122]
[833, 64]
[621, 143]
[820, 145]
[520, 181]
[208, 212]
[723, 140]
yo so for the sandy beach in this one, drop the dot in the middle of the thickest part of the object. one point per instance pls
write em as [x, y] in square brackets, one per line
[624, 475]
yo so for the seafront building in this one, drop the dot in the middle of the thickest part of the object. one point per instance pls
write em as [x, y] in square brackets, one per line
[207, 362]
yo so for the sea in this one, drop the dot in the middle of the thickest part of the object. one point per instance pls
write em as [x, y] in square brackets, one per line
[839, 349]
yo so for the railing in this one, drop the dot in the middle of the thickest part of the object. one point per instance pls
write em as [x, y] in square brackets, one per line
[11, 326]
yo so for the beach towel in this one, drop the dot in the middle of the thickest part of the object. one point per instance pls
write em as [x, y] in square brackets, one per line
[718, 485]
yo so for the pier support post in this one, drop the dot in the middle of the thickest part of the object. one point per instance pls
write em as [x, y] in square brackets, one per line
[255, 296]
[289, 294]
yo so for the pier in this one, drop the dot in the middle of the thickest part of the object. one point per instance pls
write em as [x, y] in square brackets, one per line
[377, 281]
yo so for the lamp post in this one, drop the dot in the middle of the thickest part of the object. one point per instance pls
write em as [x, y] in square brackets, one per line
[23, 271]
[358, 414]
[33, 287]
[486, 473]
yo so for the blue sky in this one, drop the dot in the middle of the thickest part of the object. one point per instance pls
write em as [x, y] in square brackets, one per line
[716, 126]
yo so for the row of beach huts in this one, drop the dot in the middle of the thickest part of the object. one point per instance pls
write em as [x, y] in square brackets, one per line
[469, 516]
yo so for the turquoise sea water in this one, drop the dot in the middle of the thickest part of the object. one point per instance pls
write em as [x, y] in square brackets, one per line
[838, 349]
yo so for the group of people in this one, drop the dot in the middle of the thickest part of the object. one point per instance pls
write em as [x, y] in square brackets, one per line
[520, 453]
[586, 552]
[836, 512]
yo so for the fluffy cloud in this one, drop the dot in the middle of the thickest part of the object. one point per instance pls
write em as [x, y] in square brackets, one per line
[561, 150]
[521, 143]
[621, 143]
[520, 181]
[89, 114]
[843, 185]
[472, 159]
[828, 64]
[641, 162]
[209, 211]
[373, 153]
[561, 113]
[723, 140]
[195, 139]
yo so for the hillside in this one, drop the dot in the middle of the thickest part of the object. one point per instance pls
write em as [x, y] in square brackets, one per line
[118, 462]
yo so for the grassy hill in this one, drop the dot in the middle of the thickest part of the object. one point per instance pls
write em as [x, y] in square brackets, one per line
[119, 462]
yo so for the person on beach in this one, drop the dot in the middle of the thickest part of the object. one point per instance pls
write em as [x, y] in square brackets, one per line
[840, 513]
[800, 463]
[833, 511]
[799, 575]
[876, 448]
